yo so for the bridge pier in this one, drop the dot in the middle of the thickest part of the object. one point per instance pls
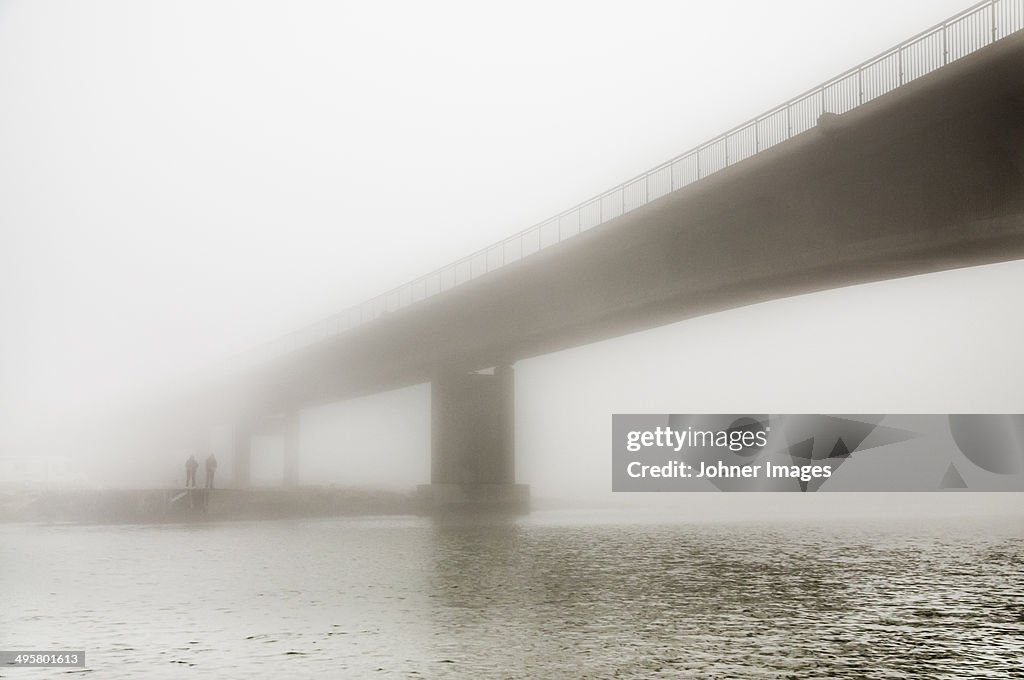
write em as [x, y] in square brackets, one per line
[286, 427]
[241, 454]
[291, 450]
[472, 465]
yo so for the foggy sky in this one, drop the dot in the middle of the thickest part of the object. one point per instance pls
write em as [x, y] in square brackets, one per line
[184, 180]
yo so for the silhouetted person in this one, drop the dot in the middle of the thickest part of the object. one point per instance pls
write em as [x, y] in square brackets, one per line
[191, 465]
[211, 467]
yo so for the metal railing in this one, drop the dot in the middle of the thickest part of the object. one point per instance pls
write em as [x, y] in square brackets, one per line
[958, 36]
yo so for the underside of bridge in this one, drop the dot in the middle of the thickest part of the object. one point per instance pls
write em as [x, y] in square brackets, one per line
[926, 178]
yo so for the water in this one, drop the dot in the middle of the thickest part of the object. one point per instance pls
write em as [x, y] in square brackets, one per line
[555, 595]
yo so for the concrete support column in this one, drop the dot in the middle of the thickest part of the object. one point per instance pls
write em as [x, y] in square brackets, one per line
[292, 441]
[473, 443]
[241, 452]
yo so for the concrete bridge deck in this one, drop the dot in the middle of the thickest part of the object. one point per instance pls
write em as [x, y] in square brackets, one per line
[928, 177]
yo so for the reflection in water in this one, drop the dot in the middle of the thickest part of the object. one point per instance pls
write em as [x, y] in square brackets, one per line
[545, 596]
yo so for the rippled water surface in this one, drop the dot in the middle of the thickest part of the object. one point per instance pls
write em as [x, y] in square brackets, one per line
[555, 595]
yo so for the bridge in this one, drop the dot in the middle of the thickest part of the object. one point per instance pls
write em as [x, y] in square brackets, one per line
[908, 163]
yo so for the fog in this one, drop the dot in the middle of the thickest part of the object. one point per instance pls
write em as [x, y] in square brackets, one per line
[183, 181]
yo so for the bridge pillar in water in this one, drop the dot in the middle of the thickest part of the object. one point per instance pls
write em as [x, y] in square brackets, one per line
[291, 449]
[472, 465]
[241, 454]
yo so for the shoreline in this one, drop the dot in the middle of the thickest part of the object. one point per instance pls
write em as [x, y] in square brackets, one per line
[172, 505]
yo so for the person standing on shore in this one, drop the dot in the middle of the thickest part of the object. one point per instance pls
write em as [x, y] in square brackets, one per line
[211, 467]
[191, 465]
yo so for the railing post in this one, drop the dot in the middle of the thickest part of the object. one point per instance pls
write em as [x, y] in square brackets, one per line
[945, 45]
